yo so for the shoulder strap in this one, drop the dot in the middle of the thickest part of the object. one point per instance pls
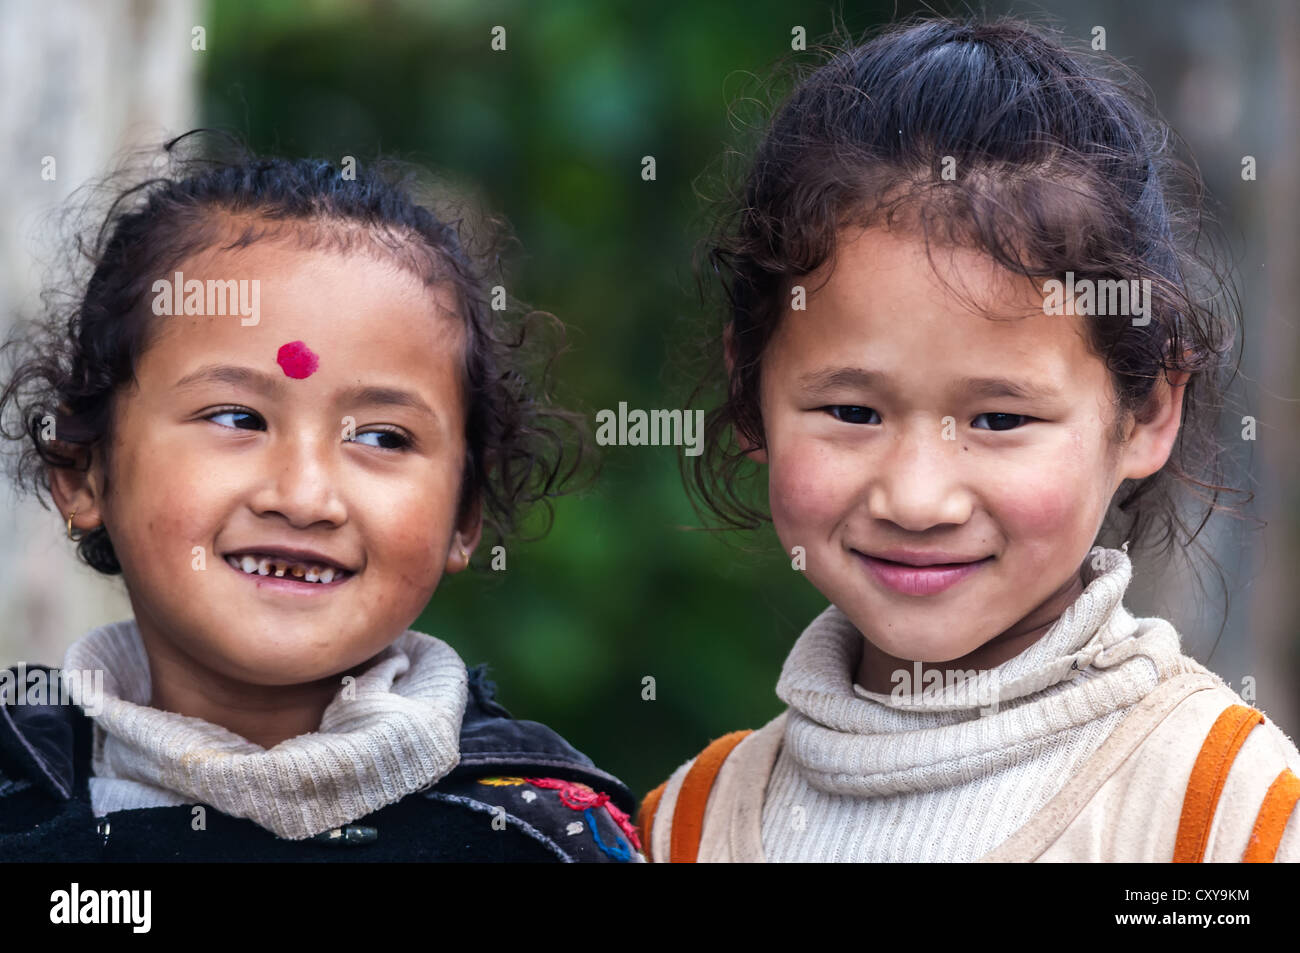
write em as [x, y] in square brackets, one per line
[645, 816]
[688, 812]
[1274, 813]
[1048, 824]
[1209, 774]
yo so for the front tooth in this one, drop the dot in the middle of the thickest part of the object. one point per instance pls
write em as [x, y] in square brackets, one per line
[327, 574]
[280, 568]
[298, 571]
[248, 564]
[264, 566]
[313, 575]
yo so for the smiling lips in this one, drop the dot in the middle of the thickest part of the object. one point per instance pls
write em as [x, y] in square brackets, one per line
[292, 569]
[282, 568]
[920, 575]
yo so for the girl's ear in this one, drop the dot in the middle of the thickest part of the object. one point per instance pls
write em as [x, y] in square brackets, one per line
[73, 488]
[1152, 440]
[758, 454]
[469, 531]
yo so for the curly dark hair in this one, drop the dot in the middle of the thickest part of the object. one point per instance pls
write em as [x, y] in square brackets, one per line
[166, 205]
[1062, 164]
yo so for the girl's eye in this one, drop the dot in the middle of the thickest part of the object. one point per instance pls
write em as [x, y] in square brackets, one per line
[850, 413]
[247, 420]
[399, 442]
[234, 413]
[1003, 421]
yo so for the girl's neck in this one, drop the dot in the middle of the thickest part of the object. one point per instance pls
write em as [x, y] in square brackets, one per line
[876, 668]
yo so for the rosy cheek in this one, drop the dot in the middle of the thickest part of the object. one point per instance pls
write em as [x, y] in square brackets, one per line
[417, 551]
[1041, 505]
[805, 489]
[414, 536]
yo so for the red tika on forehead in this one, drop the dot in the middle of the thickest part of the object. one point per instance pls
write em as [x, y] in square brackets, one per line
[297, 360]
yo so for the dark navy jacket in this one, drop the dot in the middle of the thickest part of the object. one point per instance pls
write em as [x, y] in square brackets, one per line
[484, 810]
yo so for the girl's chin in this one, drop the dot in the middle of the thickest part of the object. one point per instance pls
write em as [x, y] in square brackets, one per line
[272, 677]
[283, 667]
[929, 641]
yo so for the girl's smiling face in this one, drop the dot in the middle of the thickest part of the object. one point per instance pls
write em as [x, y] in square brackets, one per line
[855, 390]
[217, 450]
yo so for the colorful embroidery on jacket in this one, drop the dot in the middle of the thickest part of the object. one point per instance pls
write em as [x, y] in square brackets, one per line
[585, 799]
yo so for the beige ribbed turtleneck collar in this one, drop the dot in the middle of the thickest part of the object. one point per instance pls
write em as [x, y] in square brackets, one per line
[394, 731]
[1096, 658]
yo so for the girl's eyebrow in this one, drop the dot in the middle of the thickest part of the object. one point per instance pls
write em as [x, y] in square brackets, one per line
[248, 377]
[833, 378]
[270, 385]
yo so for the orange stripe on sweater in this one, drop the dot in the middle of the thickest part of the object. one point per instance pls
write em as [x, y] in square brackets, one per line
[1208, 777]
[645, 817]
[1276, 810]
[693, 798]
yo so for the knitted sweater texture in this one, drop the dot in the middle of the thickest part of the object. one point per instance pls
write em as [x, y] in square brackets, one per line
[393, 731]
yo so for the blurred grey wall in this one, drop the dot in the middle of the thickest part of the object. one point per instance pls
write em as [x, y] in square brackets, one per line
[82, 79]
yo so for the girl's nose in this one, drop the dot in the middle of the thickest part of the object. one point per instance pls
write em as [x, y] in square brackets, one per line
[301, 482]
[917, 482]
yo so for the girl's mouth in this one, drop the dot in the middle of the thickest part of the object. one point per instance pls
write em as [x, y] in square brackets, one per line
[277, 572]
[920, 580]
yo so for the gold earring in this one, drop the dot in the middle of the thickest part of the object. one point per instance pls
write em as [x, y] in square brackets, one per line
[464, 555]
[81, 533]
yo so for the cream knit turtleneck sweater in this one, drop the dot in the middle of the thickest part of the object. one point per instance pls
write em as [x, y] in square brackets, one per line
[863, 776]
[394, 731]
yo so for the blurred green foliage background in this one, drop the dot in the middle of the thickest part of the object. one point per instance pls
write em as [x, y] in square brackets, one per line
[552, 132]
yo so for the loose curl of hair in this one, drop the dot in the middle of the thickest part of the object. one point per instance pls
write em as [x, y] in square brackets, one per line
[205, 189]
[1061, 164]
